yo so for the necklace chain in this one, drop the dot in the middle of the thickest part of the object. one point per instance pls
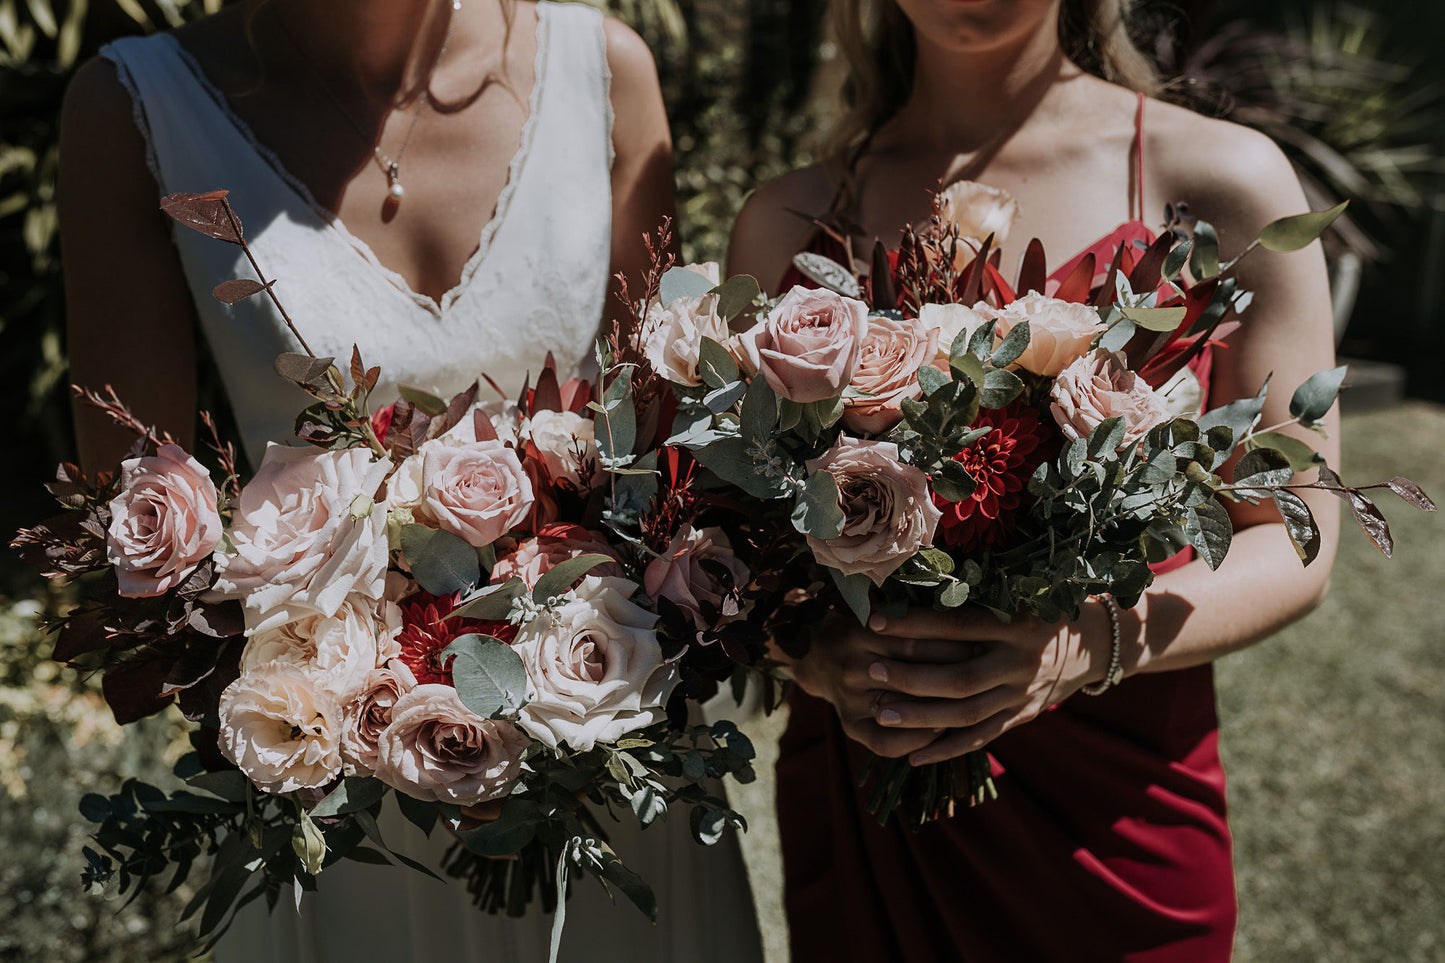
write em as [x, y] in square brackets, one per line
[390, 165]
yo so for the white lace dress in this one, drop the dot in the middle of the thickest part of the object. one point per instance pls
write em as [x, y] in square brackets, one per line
[536, 284]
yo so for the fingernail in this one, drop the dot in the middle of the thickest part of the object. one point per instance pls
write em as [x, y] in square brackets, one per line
[919, 760]
[877, 622]
[889, 717]
[878, 672]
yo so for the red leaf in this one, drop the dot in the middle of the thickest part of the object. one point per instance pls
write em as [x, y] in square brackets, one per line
[483, 426]
[973, 282]
[1145, 276]
[547, 396]
[1076, 286]
[1109, 289]
[133, 690]
[1411, 492]
[237, 289]
[1032, 270]
[207, 213]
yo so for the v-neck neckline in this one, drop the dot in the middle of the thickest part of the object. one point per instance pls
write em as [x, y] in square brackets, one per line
[334, 223]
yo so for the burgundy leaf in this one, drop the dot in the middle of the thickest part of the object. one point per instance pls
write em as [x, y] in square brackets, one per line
[1411, 492]
[237, 289]
[206, 213]
[300, 368]
[1033, 271]
[548, 394]
[885, 295]
[133, 690]
[973, 281]
[1146, 274]
[1108, 291]
[218, 620]
[456, 408]
[1371, 522]
[483, 426]
[358, 369]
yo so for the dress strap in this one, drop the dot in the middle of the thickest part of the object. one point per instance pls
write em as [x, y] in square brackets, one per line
[1139, 157]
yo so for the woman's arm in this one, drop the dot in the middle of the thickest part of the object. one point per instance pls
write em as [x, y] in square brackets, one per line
[129, 315]
[642, 189]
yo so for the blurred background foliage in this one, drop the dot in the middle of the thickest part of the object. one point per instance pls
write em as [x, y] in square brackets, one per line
[1352, 92]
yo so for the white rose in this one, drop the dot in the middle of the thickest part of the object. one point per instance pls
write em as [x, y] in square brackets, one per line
[435, 748]
[979, 210]
[672, 339]
[339, 651]
[594, 667]
[567, 442]
[299, 550]
[281, 729]
[1059, 331]
[950, 320]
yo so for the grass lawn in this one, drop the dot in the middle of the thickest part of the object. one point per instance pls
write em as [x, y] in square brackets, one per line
[1334, 735]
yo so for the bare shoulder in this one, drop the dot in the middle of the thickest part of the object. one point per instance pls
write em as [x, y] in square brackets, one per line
[98, 133]
[1230, 175]
[628, 56]
[776, 222]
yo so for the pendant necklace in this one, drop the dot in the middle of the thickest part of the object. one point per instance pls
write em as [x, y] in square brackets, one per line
[390, 166]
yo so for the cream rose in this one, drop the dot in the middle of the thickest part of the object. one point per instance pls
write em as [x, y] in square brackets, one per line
[680, 575]
[1097, 387]
[163, 523]
[437, 749]
[888, 362]
[281, 729]
[594, 667]
[1059, 331]
[950, 320]
[978, 210]
[888, 514]
[807, 346]
[369, 712]
[672, 338]
[534, 557]
[567, 443]
[475, 491]
[299, 549]
[339, 650]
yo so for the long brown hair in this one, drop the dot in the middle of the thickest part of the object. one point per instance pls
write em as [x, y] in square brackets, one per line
[879, 51]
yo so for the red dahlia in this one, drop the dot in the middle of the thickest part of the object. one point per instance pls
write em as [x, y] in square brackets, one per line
[426, 631]
[1001, 462]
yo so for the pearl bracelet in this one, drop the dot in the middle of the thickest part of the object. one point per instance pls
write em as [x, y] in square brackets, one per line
[1115, 673]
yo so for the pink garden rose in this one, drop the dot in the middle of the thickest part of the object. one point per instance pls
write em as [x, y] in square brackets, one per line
[477, 491]
[679, 575]
[594, 667]
[369, 712]
[1097, 387]
[281, 729]
[888, 514]
[339, 650]
[435, 748]
[888, 362]
[163, 523]
[978, 210]
[1059, 331]
[807, 347]
[567, 443]
[534, 557]
[300, 547]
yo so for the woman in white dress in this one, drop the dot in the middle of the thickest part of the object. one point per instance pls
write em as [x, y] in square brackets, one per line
[448, 184]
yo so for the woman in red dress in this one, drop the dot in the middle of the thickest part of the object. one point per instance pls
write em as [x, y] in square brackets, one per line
[1109, 839]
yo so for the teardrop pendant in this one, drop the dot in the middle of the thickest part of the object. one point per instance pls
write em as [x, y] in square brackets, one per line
[396, 191]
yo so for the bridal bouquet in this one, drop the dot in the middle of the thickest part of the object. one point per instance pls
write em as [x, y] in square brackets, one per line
[497, 615]
[932, 435]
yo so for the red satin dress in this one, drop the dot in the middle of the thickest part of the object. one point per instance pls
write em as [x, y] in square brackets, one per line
[1108, 841]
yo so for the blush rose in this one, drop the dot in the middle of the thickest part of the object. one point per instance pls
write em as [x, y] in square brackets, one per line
[163, 523]
[435, 748]
[888, 361]
[807, 346]
[1097, 387]
[369, 712]
[1059, 331]
[281, 729]
[476, 491]
[681, 576]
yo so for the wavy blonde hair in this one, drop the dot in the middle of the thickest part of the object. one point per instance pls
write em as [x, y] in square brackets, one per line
[878, 48]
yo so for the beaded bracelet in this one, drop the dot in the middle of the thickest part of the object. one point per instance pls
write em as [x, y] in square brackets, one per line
[1115, 673]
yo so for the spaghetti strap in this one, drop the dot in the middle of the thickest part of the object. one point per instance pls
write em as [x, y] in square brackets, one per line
[1139, 157]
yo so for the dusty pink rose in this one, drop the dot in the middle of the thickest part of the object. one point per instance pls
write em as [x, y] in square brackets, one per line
[1097, 387]
[887, 512]
[888, 362]
[807, 347]
[163, 523]
[681, 575]
[475, 491]
[435, 748]
[306, 536]
[534, 557]
[281, 729]
[567, 443]
[979, 211]
[595, 670]
[369, 712]
[1059, 331]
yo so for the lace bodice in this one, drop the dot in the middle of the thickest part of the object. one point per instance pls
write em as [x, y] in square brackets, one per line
[535, 284]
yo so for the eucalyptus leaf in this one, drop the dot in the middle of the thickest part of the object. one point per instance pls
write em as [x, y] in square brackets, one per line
[930, 379]
[980, 343]
[1000, 387]
[708, 825]
[735, 295]
[1155, 319]
[426, 402]
[1013, 345]
[731, 460]
[1300, 455]
[492, 603]
[647, 805]
[680, 282]
[559, 578]
[508, 833]
[967, 365]
[1299, 230]
[441, 563]
[953, 594]
[1107, 436]
[854, 589]
[1210, 531]
[488, 674]
[1176, 259]
[616, 425]
[953, 482]
[1118, 335]
[816, 512]
[1304, 534]
[722, 399]
[1239, 416]
[1313, 399]
[1204, 258]
[716, 364]
[827, 272]
[759, 413]
[353, 793]
[1259, 470]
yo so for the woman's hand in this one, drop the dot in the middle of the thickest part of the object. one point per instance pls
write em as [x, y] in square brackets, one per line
[837, 666]
[1022, 668]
